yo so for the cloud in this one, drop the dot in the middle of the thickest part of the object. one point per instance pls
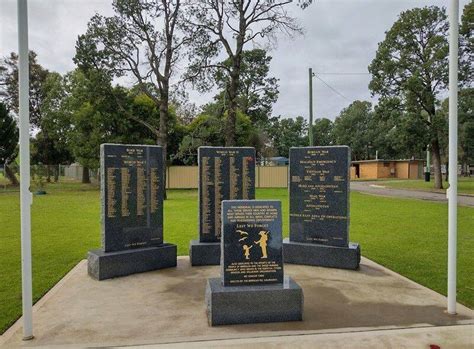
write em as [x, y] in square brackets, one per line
[341, 36]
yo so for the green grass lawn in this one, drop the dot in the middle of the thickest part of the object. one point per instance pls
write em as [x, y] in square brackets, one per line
[465, 185]
[407, 236]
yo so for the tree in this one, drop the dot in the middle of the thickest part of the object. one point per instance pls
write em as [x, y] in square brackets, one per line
[206, 129]
[8, 142]
[141, 39]
[352, 128]
[322, 131]
[51, 145]
[9, 78]
[466, 32]
[466, 126]
[412, 63]
[285, 133]
[90, 109]
[257, 91]
[230, 26]
[395, 133]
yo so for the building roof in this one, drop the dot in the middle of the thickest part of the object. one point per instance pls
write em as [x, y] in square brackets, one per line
[277, 158]
[382, 160]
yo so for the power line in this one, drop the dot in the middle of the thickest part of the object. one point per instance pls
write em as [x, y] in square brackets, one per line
[332, 88]
[342, 73]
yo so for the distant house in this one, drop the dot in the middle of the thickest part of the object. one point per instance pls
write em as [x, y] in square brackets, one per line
[275, 161]
[374, 169]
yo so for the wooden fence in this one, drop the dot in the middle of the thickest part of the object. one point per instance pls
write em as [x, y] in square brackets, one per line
[186, 177]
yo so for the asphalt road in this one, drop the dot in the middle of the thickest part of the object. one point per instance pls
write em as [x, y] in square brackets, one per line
[377, 188]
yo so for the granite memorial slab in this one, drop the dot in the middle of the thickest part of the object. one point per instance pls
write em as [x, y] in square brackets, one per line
[225, 173]
[252, 287]
[319, 188]
[132, 189]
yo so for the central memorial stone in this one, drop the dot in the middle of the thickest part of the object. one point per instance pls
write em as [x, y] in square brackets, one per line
[132, 189]
[252, 287]
[319, 208]
[225, 173]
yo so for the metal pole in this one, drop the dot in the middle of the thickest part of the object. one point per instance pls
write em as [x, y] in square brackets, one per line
[428, 164]
[453, 153]
[311, 139]
[25, 195]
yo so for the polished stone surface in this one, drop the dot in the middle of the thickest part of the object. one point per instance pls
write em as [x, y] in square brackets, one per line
[105, 265]
[225, 173]
[322, 255]
[228, 305]
[204, 253]
[251, 245]
[132, 189]
[319, 195]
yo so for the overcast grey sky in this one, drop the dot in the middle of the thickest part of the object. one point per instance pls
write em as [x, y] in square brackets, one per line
[341, 36]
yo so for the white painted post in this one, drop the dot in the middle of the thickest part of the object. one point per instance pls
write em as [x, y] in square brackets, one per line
[25, 195]
[453, 152]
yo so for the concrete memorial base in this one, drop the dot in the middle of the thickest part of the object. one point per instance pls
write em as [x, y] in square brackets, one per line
[322, 255]
[204, 253]
[253, 304]
[165, 309]
[106, 265]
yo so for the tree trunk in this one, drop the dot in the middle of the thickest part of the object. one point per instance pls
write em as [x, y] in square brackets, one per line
[56, 174]
[233, 88]
[232, 111]
[85, 175]
[11, 176]
[163, 132]
[438, 177]
[48, 173]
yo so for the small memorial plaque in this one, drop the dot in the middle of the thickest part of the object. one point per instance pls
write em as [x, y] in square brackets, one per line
[319, 195]
[252, 243]
[132, 196]
[225, 173]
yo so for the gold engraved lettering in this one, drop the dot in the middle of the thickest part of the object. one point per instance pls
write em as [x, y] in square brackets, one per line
[218, 197]
[205, 185]
[111, 192]
[125, 192]
[233, 180]
[246, 181]
[141, 191]
[154, 187]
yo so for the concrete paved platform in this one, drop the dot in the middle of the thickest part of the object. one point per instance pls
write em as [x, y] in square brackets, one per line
[372, 307]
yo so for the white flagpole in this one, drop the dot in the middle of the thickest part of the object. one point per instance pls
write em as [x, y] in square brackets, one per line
[25, 195]
[453, 152]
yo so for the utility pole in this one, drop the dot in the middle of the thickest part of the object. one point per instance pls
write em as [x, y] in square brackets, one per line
[310, 133]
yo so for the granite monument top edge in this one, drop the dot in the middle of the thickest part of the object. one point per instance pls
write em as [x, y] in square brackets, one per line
[321, 146]
[132, 145]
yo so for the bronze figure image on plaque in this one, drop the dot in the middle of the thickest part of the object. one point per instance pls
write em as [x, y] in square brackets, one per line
[252, 287]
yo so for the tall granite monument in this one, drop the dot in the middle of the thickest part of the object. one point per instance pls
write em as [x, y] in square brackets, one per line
[252, 287]
[225, 173]
[132, 186]
[319, 208]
